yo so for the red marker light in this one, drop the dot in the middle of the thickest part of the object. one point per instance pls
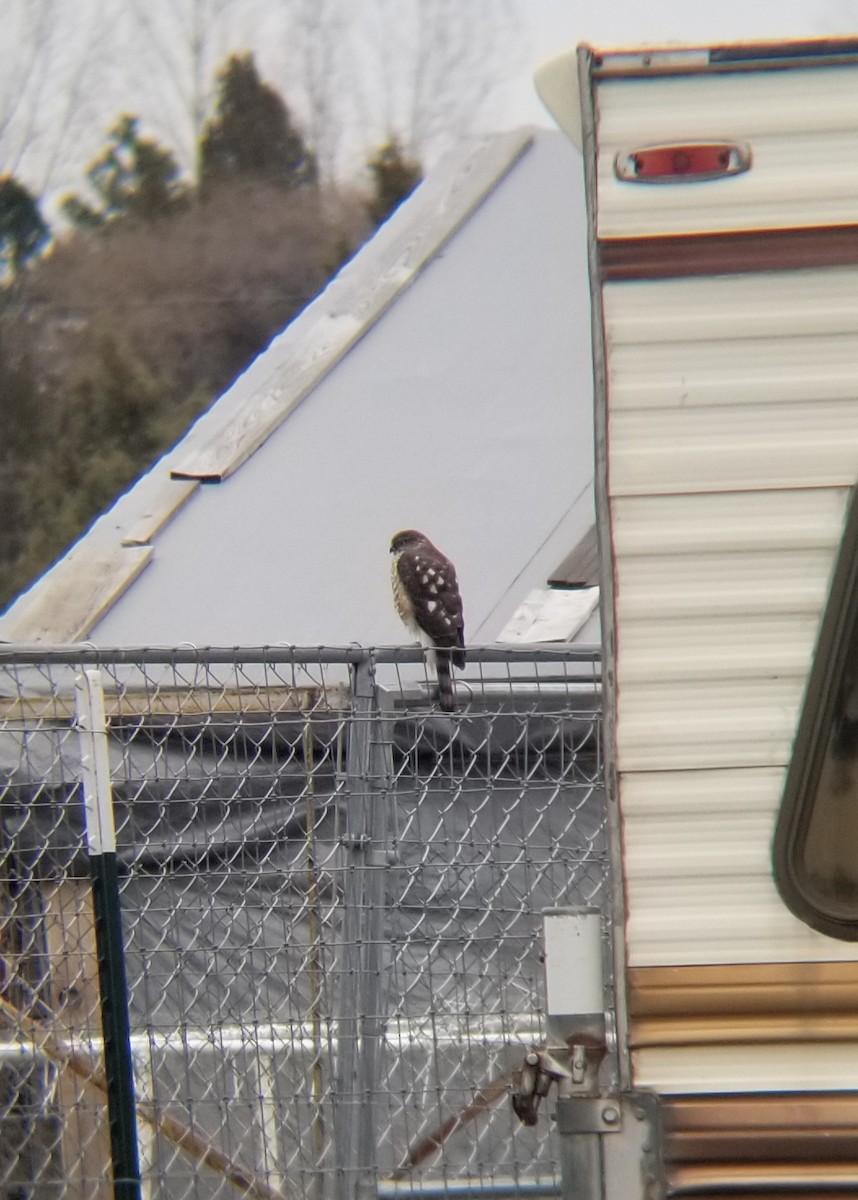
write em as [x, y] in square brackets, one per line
[685, 163]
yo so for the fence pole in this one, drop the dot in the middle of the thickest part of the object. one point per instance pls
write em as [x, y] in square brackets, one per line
[360, 1019]
[373, 990]
[101, 845]
[349, 967]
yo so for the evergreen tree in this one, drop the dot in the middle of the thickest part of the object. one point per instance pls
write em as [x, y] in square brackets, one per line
[23, 233]
[252, 134]
[134, 177]
[395, 176]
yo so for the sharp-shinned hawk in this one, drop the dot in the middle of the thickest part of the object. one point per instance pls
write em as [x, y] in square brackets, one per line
[426, 595]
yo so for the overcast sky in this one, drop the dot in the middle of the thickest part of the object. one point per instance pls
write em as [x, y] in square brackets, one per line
[128, 79]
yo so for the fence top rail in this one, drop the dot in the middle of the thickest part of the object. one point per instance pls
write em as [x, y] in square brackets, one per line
[281, 652]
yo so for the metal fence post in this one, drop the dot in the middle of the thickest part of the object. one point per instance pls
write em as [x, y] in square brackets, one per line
[101, 844]
[373, 991]
[361, 1021]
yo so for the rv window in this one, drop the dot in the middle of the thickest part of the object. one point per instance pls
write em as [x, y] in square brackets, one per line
[816, 842]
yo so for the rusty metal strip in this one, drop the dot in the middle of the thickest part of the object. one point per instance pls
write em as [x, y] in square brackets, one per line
[746, 1004]
[729, 253]
[744, 988]
[761, 1029]
[791, 1112]
[759, 1178]
[761, 1145]
[764, 1144]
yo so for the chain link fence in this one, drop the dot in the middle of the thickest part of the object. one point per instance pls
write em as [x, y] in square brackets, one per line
[331, 898]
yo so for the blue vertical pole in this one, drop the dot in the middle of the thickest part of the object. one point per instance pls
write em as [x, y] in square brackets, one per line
[101, 846]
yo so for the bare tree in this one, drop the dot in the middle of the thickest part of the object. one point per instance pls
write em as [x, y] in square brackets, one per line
[437, 65]
[422, 71]
[415, 72]
[52, 84]
[317, 74]
[181, 43]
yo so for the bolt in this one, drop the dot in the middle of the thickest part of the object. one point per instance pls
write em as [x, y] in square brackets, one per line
[610, 1114]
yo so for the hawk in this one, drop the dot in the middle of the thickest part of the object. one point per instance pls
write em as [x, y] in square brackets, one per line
[426, 595]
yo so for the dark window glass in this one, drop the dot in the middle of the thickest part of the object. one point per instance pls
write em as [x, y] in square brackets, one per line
[816, 842]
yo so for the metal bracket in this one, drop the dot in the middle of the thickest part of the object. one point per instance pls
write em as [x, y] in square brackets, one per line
[632, 1164]
[594, 1166]
[589, 1114]
[625, 1166]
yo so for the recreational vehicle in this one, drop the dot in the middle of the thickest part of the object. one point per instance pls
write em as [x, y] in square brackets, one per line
[722, 192]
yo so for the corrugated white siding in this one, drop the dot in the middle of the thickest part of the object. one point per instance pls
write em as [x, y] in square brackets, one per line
[732, 448]
[804, 141]
[733, 443]
[697, 857]
[707, 396]
[801, 1066]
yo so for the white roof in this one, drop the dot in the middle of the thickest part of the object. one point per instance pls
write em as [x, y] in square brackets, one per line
[441, 381]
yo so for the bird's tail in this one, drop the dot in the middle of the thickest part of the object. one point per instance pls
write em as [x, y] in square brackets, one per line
[446, 695]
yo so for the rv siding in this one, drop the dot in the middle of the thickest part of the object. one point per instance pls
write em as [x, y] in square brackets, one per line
[731, 428]
[722, 402]
[803, 138]
[733, 443]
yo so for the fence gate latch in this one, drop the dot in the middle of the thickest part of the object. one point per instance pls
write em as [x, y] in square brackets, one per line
[539, 1070]
[609, 1142]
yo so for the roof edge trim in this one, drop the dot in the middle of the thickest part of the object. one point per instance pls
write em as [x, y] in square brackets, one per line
[719, 57]
[85, 584]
